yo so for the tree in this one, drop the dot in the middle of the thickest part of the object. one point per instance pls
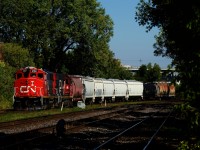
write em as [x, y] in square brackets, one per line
[179, 24]
[100, 63]
[6, 85]
[141, 73]
[147, 73]
[14, 57]
[153, 73]
[50, 28]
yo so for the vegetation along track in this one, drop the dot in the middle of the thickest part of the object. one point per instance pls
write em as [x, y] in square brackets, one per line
[112, 131]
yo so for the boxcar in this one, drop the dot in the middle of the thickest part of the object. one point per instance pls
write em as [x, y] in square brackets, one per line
[158, 90]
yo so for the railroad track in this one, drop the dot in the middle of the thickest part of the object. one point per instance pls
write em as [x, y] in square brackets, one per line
[104, 131]
[110, 143]
[132, 130]
[23, 139]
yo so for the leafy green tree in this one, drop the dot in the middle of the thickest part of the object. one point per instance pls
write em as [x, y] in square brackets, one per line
[50, 28]
[153, 73]
[169, 74]
[117, 71]
[179, 24]
[99, 63]
[141, 73]
[14, 57]
[178, 39]
[147, 73]
[6, 85]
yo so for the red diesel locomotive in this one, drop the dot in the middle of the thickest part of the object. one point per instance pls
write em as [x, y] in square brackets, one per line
[38, 88]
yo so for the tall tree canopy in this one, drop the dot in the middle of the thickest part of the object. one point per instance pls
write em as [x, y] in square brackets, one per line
[50, 28]
[179, 24]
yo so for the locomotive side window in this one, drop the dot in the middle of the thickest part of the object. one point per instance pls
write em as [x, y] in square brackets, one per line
[40, 75]
[19, 75]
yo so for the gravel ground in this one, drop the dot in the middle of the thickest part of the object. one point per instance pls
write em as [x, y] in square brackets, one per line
[93, 135]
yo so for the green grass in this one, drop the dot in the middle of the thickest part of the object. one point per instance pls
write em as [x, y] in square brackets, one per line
[18, 115]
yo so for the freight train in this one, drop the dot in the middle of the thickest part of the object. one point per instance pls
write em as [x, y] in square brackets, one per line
[37, 88]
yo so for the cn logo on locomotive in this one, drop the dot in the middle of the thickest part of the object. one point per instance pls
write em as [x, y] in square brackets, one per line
[26, 89]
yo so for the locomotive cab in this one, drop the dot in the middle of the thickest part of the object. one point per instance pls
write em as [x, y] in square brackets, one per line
[37, 88]
[29, 87]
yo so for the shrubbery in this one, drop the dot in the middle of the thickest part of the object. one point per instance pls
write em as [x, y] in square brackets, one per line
[8, 67]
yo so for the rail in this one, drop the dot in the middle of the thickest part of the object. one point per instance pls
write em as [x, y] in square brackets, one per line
[134, 125]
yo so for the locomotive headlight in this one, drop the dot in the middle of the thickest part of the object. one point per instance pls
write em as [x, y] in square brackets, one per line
[34, 71]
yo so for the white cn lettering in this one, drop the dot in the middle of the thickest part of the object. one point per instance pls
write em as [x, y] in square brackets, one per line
[25, 89]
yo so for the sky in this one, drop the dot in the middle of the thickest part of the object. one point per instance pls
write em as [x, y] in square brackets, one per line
[130, 42]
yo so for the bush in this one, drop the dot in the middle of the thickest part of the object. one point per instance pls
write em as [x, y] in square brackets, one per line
[6, 86]
[14, 57]
[5, 103]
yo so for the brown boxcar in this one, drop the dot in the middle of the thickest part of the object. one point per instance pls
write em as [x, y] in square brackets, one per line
[158, 90]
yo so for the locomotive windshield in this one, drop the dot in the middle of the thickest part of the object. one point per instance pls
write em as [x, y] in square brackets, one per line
[26, 73]
[19, 75]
